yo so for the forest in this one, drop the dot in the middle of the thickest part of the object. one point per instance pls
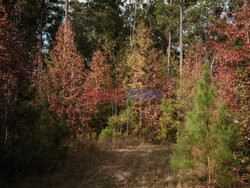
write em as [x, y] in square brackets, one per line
[124, 93]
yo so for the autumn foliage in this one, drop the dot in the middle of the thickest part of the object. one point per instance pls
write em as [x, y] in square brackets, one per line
[11, 67]
[64, 80]
[231, 49]
[133, 82]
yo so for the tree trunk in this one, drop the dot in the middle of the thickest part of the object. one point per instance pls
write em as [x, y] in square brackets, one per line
[65, 24]
[128, 119]
[64, 35]
[247, 23]
[169, 53]
[66, 11]
[134, 24]
[209, 169]
[169, 45]
[40, 44]
[212, 65]
[181, 38]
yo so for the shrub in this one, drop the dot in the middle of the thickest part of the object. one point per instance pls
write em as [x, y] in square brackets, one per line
[106, 134]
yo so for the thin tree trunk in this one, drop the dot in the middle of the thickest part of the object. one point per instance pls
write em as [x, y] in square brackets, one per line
[64, 36]
[181, 38]
[6, 116]
[40, 44]
[147, 9]
[208, 153]
[66, 11]
[134, 24]
[169, 45]
[140, 113]
[65, 24]
[116, 101]
[130, 24]
[128, 119]
[212, 65]
[169, 52]
[247, 23]
[209, 169]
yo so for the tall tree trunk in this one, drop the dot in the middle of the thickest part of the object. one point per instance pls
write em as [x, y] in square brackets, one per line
[247, 24]
[66, 11]
[40, 44]
[131, 26]
[134, 24]
[169, 44]
[65, 24]
[64, 34]
[181, 38]
[169, 53]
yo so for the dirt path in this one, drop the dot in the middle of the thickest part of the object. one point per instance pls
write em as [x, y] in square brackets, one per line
[134, 166]
[92, 167]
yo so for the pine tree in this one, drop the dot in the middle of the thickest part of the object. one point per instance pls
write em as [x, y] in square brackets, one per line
[98, 25]
[183, 7]
[227, 146]
[204, 147]
[166, 15]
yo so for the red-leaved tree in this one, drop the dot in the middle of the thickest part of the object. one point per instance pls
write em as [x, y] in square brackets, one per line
[64, 80]
[101, 95]
[231, 49]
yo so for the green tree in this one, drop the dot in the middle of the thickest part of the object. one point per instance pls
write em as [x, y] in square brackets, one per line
[166, 23]
[183, 7]
[98, 24]
[205, 146]
[201, 16]
[168, 123]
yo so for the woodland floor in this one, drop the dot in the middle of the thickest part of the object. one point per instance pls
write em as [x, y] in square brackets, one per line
[107, 166]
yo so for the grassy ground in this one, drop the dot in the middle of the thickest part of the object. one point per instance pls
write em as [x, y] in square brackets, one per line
[106, 165]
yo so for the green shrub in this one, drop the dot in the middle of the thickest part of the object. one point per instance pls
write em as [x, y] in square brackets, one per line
[40, 136]
[107, 134]
[116, 123]
[36, 137]
[125, 122]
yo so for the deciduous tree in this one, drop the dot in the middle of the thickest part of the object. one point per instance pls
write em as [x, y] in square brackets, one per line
[64, 80]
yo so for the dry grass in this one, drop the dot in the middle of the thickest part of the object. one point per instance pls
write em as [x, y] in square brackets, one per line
[129, 163]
